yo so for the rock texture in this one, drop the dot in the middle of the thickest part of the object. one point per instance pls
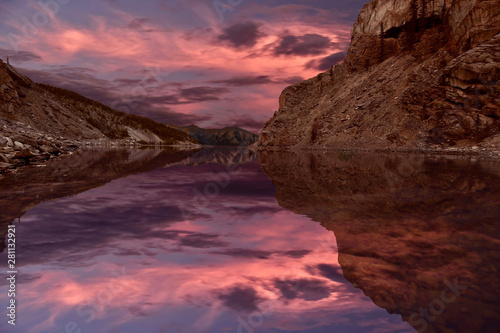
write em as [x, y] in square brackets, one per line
[21, 145]
[405, 225]
[228, 136]
[39, 121]
[418, 74]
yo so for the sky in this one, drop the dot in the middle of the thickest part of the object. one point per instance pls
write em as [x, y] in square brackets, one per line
[213, 63]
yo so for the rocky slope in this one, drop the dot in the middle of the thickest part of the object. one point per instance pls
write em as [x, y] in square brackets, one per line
[418, 74]
[39, 121]
[228, 136]
[405, 226]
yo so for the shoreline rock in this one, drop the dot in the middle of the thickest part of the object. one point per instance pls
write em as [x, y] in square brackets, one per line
[22, 146]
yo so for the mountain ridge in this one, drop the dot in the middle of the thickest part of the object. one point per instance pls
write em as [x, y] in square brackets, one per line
[227, 136]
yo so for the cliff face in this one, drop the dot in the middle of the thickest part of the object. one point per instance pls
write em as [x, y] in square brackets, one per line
[228, 136]
[417, 74]
[406, 225]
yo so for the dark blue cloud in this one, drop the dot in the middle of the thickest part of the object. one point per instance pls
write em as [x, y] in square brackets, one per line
[306, 45]
[324, 64]
[240, 298]
[306, 289]
[241, 34]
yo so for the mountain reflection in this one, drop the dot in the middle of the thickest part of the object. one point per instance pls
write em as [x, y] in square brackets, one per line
[137, 254]
[418, 235]
[195, 241]
[88, 169]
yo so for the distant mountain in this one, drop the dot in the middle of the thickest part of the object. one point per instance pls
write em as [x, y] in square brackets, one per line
[227, 136]
[57, 112]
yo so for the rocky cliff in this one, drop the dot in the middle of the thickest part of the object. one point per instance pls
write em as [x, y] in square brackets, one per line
[418, 74]
[39, 121]
[227, 136]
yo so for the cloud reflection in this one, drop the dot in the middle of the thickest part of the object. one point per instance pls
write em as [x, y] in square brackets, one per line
[122, 258]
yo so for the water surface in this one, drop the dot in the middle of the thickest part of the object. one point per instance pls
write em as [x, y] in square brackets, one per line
[220, 241]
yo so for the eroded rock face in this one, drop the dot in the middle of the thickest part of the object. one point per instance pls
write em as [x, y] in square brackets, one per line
[417, 74]
[407, 226]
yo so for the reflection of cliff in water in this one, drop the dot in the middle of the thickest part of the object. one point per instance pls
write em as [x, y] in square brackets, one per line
[405, 226]
[85, 170]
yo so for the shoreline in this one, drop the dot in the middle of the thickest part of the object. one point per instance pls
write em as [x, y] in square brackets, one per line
[14, 158]
[25, 158]
[473, 151]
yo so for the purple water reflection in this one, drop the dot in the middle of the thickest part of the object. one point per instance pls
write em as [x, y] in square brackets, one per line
[125, 258]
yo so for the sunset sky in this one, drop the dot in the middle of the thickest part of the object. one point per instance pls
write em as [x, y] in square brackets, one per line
[211, 63]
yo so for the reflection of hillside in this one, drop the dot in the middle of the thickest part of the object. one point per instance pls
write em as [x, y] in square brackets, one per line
[405, 225]
[74, 174]
[94, 168]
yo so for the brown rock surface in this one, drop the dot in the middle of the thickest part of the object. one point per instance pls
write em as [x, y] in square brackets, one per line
[417, 74]
[405, 226]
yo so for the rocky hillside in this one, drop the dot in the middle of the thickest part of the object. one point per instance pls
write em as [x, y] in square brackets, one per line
[228, 136]
[418, 74]
[39, 121]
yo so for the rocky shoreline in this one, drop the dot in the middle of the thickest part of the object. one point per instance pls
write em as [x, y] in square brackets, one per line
[482, 151]
[22, 146]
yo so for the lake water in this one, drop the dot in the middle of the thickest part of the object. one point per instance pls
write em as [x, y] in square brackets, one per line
[223, 240]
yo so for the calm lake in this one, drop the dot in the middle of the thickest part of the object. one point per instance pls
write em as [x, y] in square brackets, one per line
[226, 240]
